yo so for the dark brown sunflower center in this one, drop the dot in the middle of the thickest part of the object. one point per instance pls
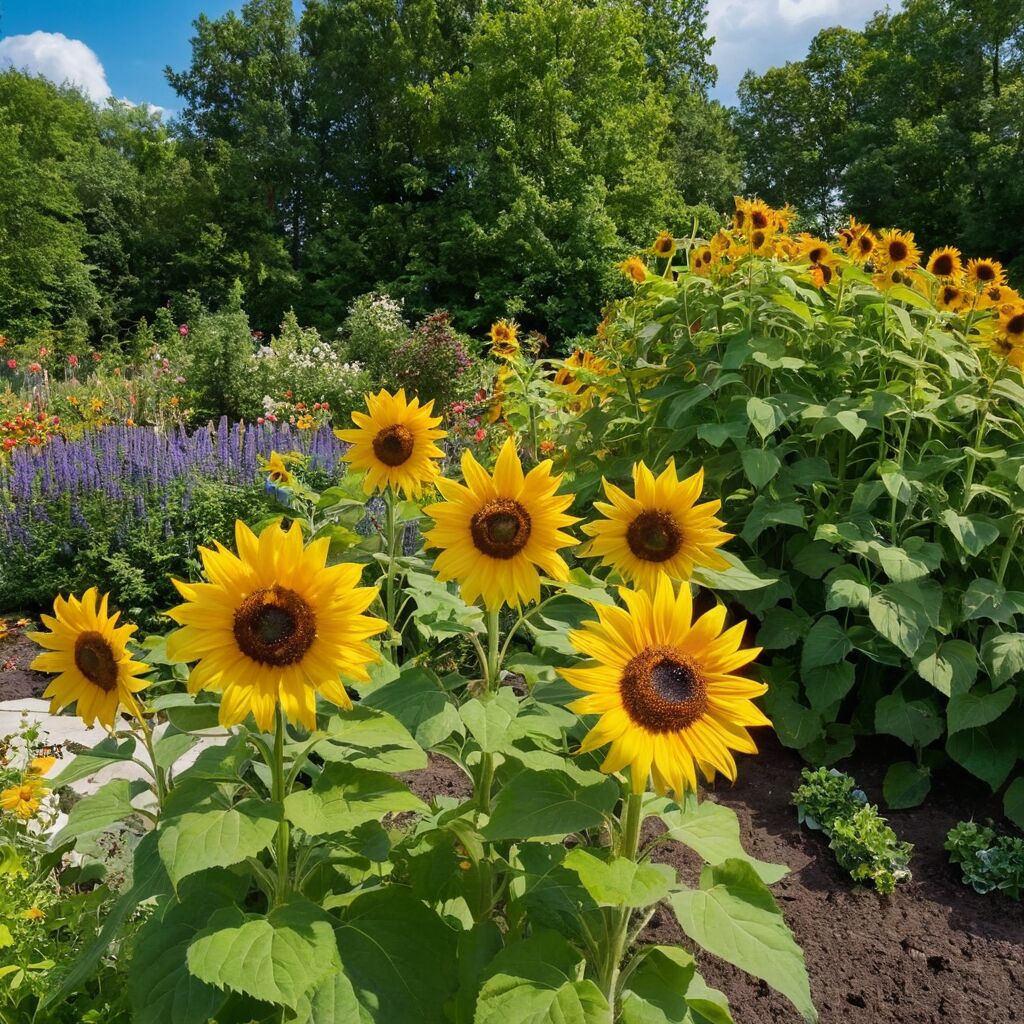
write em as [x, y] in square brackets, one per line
[654, 536]
[985, 272]
[95, 660]
[817, 254]
[897, 251]
[1015, 325]
[664, 245]
[950, 294]
[826, 272]
[393, 445]
[275, 626]
[663, 690]
[757, 239]
[943, 265]
[759, 219]
[501, 528]
[865, 244]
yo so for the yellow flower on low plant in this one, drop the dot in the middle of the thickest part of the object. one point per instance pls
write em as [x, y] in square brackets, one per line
[39, 766]
[664, 245]
[666, 689]
[496, 531]
[505, 339]
[22, 800]
[89, 652]
[635, 269]
[897, 250]
[278, 472]
[96, 404]
[393, 442]
[660, 531]
[985, 273]
[34, 914]
[306, 422]
[952, 298]
[945, 263]
[274, 625]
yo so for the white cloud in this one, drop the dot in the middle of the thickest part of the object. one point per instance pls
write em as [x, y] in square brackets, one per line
[759, 34]
[54, 56]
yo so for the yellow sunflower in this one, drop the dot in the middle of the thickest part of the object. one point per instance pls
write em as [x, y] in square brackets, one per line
[666, 690]
[1011, 325]
[952, 298]
[897, 250]
[814, 250]
[277, 471]
[394, 444]
[496, 531]
[760, 216]
[274, 624]
[701, 260]
[864, 246]
[720, 242]
[664, 245]
[634, 269]
[996, 296]
[662, 531]
[568, 379]
[945, 263]
[505, 339]
[22, 800]
[822, 274]
[985, 273]
[889, 278]
[1013, 354]
[89, 653]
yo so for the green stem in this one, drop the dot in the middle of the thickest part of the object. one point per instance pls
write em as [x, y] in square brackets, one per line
[1007, 551]
[158, 775]
[390, 529]
[278, 793]
[493, 668]
[618, 930]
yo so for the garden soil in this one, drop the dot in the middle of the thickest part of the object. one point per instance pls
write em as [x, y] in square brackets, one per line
[934, 952]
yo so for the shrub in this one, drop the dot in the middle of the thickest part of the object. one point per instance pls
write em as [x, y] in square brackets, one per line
[989, 862]
[432, 363]
[372, 330]
[863, 844]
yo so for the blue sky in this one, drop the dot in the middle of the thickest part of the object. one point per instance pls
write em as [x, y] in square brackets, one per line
[122, 47]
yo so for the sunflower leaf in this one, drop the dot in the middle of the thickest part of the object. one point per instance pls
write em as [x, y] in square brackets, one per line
[620, 881]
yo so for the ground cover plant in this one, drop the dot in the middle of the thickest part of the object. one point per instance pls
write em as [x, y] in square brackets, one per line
[989, 862]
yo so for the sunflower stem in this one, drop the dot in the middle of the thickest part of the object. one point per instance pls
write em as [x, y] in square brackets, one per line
[493, 670]
[278, 794]
[618, 932]
[391, 529]
[157, 773]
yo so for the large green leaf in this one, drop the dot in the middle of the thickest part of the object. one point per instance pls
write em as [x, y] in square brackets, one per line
[277, 958]
[216, 834]
[906, 784]
[665, 989]
[989, 752]
[826, 644]
[972, 710]
[343, 797]
[620, 881]
[734, 917]
[538, 981]
[111, 803]
[551, 895]
[916, 722]
[369, 738]
[951, 666]
[549, 803]
[399, 956]
[713, 831]
[108, 752]
[972, 533]
[1003, 655]
[760, 466]
[418, 699]
[904, 612]
[1013, 802]
[828, 684]
[491, 720]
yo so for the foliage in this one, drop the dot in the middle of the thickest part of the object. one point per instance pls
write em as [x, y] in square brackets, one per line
[432, 363]
[989, 862]
[862, 842]
[865, 442]
[914, 120]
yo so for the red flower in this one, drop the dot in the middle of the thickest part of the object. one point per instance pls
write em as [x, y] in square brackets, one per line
[480, 434]
[183, 330]
[12, 364]
[72, 360]
[34, 368]
[44, 352]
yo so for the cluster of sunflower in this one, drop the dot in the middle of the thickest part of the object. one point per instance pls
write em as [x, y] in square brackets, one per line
[892, 257]
[273, 625]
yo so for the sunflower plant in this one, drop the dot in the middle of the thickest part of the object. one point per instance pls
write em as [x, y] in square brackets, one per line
[294, 871]
[855, 404]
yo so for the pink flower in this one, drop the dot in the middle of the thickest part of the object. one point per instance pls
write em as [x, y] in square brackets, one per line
[183, 330]
[12, 364]
[55, 420]
[44, 352]
[34, 368]
[480, 434]
[261, 421]
[271, 418]
[72, 360]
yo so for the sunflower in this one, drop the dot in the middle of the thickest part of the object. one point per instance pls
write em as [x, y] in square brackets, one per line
[864, 246]
[762, 242]
[952, 298]
[634, 269]
[1011, 325]
[701, 260]
[277, 471]
[760, 216]
[813, 250]
[985, 273]
[505, 339]
[275, 624]
[394, 443]
[664, 245]
[889, 278]
[945, 263]
[22, 800]
[821, 274]
[720, 242]
[897, 249]
[1013, 354]
[659, 532]
[569, 380]
[496, 531]
[89, 651]
[740, 219]
[665, 689]
[496, 403]
[997, 295]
